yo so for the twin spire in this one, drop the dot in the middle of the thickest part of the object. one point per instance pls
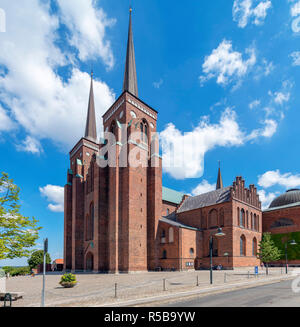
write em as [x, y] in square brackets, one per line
[130, 85]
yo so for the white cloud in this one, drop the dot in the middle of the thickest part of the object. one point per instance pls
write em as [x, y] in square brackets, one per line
[245, 11]
[271, 178]
[295, 9]
[269, 129]
[6, 124]
[88, 25]
[226, 64]
[183, 153]
[280, 97]
[158, 84]
[266, 198]
[39, 100]
[296, 58]
[54, 194]
[31, 145]
[254, 104]
[203, 187]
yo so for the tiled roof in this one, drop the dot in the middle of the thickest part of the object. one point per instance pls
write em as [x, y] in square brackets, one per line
[171, 195]
[177, 224]
[206, 199]
[59, 261]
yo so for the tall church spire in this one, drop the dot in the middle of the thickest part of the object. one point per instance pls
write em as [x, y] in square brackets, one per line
[219, 181]
[91, 130]
[130, 79]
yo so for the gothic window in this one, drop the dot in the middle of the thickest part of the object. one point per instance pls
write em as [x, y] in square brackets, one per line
[255, 222]
[252, 224]
[142, 132]
[238, 216]
[192, 251]
[213, 218]
[171, 235]
[242, 246]
[164, 256]
[242, 218]
[163, 236]
[247, 219]
[222, 218]
[254, 247]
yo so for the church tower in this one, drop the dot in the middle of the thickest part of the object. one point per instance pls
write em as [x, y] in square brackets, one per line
[112, 211]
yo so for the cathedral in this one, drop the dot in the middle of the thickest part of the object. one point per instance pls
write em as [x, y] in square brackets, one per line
[119, 218]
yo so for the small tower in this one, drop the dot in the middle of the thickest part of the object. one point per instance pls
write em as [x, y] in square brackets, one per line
[219, 181]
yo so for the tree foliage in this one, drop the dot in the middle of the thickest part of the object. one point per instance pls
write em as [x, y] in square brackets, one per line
[268, 252]
[37, 258]
[17, 233]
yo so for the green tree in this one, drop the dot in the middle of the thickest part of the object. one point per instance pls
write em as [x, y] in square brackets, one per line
[37, 258]
[17, 233]
[268, 252]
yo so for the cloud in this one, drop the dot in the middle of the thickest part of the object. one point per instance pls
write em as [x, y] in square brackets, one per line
[45, 104]
[31, 145]
[269, 129]
[296, 58]
[295, 9]
[6, 124]
[245, 11]
[266, 198]
[227, 65]
[271, 178]
[203, 187]
[254, 104]
[158, 84]
[88, 26]
[54, 194]
[280, 97]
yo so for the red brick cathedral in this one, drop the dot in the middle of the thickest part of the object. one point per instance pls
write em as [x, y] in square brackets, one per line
[119, 218]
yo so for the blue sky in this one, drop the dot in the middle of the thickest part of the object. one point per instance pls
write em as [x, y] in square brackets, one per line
[224, 72]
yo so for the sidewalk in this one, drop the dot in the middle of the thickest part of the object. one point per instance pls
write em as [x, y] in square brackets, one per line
[134, 289]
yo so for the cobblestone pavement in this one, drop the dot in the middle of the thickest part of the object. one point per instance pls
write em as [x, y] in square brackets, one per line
[97, 289]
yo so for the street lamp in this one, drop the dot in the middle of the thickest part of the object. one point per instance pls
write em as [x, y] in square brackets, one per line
[218, 234]
[292, 242]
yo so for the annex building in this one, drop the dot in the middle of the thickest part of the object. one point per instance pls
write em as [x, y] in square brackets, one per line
[119, 217]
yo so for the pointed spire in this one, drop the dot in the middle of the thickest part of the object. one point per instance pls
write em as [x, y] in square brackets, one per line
[130, 79]
[91, 129]
[219, 181]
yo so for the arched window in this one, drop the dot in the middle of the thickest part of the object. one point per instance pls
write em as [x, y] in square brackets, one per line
[247, 219]
[163, 236]
[164, 255]
[171, 235]
[213, 218]
[252, 224]
[242, 218]
[238, 216]
[221, 223]
[254, 247]
[242, 246]
[255, 222]
[142, 132]
[192, 251]
[91, 228]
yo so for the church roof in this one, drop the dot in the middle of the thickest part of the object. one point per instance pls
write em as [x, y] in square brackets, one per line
[130, 79]
[91, 129]
[205, 200]
[219, 181]
[172, 196]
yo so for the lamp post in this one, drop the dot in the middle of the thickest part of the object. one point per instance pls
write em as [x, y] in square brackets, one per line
[292, 242]
[219, 233]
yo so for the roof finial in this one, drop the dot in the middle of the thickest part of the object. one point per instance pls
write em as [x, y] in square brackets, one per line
[91, 128]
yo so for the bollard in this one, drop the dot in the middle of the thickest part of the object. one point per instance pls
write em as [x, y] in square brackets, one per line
[197, 280]
[164, 284]
[224, 277]
[116, 290]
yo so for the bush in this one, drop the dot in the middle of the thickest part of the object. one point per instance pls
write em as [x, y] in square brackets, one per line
[68, 278]
[37, 258]
[17, 271]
